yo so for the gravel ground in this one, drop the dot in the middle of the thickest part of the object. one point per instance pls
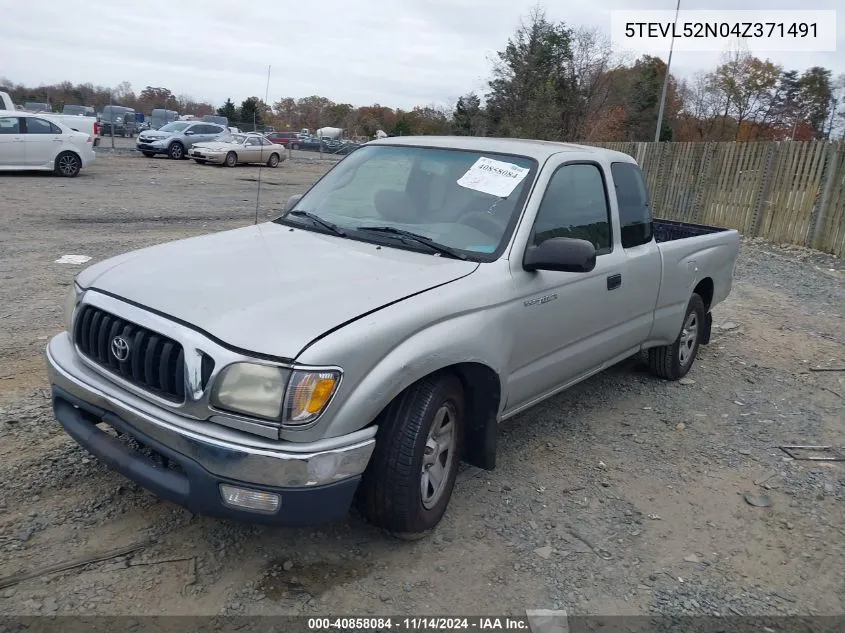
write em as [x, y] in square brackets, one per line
[625, 495]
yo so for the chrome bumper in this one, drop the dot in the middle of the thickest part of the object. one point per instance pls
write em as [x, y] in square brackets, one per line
[223, 452]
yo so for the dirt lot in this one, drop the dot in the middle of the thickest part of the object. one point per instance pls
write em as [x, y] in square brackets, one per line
[621, 496]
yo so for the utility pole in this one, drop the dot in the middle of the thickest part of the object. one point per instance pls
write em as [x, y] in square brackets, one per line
[666, 78]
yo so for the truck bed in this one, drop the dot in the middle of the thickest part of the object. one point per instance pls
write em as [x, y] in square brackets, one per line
[669, 230]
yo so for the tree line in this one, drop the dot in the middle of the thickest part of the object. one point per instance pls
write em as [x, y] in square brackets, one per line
[550, 81]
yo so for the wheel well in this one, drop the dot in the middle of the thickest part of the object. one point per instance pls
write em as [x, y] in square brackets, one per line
[704, 289]
[483, 392]
[67, 151]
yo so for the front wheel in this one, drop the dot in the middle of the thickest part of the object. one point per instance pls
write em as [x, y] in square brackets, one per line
[176, 151]
[231, 159]
[672, 362]
[408, 483]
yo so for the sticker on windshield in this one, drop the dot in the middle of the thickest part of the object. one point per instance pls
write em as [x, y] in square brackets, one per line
[493, 176]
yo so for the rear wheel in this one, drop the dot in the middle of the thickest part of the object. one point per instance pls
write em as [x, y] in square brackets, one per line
[176, 151]
[674, 361]
[408, 483]
[231, 159]
[296, 146]
[68, 165]
[273, 161]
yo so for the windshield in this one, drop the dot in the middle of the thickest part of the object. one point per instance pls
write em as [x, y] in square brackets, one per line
[468, 201]
[175, 126]
[233, 138]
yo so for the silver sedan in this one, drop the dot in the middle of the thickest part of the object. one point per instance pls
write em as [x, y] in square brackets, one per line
[239, 149]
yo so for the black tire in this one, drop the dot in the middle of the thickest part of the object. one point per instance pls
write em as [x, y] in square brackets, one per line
[231, 160]
[68, 165]
[390, 495]
[273, 161]
[176, 151]
[148, 154]
[672, 362]
[296, 146]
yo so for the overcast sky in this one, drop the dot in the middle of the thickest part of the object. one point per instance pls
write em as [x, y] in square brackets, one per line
[398, 53]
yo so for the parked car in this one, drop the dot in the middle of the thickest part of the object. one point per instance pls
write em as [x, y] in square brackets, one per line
[346, 148]
[238, 149]
[118, 121]
[311, 143]
[31, 106]
[160, 117]
[285, 138]
[177, 137]
[214, 118]
[79, 110]
[376, 334]
[35, 142]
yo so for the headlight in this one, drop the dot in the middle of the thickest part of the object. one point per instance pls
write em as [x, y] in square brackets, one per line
[307, 395]
[71, 299]
[251, 389]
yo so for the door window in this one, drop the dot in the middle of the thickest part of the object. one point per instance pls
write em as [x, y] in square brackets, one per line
[575, 205]
[10, 125]
[40, 126]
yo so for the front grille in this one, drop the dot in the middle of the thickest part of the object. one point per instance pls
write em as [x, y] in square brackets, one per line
[154, 362]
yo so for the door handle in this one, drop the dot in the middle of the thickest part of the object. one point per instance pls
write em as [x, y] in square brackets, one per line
[614, 281]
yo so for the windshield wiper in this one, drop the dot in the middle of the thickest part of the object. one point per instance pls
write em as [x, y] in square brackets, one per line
[422, 239]
[334, 228]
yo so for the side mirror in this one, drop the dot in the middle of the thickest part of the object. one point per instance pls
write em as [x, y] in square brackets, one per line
[563, 254]
[291, 203]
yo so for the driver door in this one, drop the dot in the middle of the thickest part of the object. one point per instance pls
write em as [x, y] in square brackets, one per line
[564, 321]
[252, 150]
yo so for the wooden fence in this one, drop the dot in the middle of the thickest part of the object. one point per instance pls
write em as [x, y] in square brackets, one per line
[786, 192]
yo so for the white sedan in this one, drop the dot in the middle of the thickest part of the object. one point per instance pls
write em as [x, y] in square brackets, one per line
[239, 149]
[32, 141]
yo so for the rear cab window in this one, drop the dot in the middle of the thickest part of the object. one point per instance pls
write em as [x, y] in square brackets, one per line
[632, 196]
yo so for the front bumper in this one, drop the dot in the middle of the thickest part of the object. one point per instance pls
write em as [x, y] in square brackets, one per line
[149, 147]
[315, 483]
[209, 157]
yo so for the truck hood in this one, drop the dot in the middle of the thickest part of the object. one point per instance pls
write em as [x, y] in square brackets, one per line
[268, 288]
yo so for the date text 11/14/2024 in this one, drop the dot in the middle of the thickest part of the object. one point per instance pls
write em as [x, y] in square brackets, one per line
[418, 624]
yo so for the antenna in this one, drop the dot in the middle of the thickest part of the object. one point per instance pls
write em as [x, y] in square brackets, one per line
[260, 165]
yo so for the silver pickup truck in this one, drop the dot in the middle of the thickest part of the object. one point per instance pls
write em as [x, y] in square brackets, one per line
[357, 348]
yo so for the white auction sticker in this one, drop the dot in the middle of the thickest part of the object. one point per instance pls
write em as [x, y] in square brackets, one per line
[493, 176]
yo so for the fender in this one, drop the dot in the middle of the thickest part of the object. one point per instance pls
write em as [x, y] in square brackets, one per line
[475, 342]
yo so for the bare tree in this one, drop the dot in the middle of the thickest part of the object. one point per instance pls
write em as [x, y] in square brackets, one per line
[590, 72]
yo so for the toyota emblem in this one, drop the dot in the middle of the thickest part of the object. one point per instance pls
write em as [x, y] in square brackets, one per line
[120, 348]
